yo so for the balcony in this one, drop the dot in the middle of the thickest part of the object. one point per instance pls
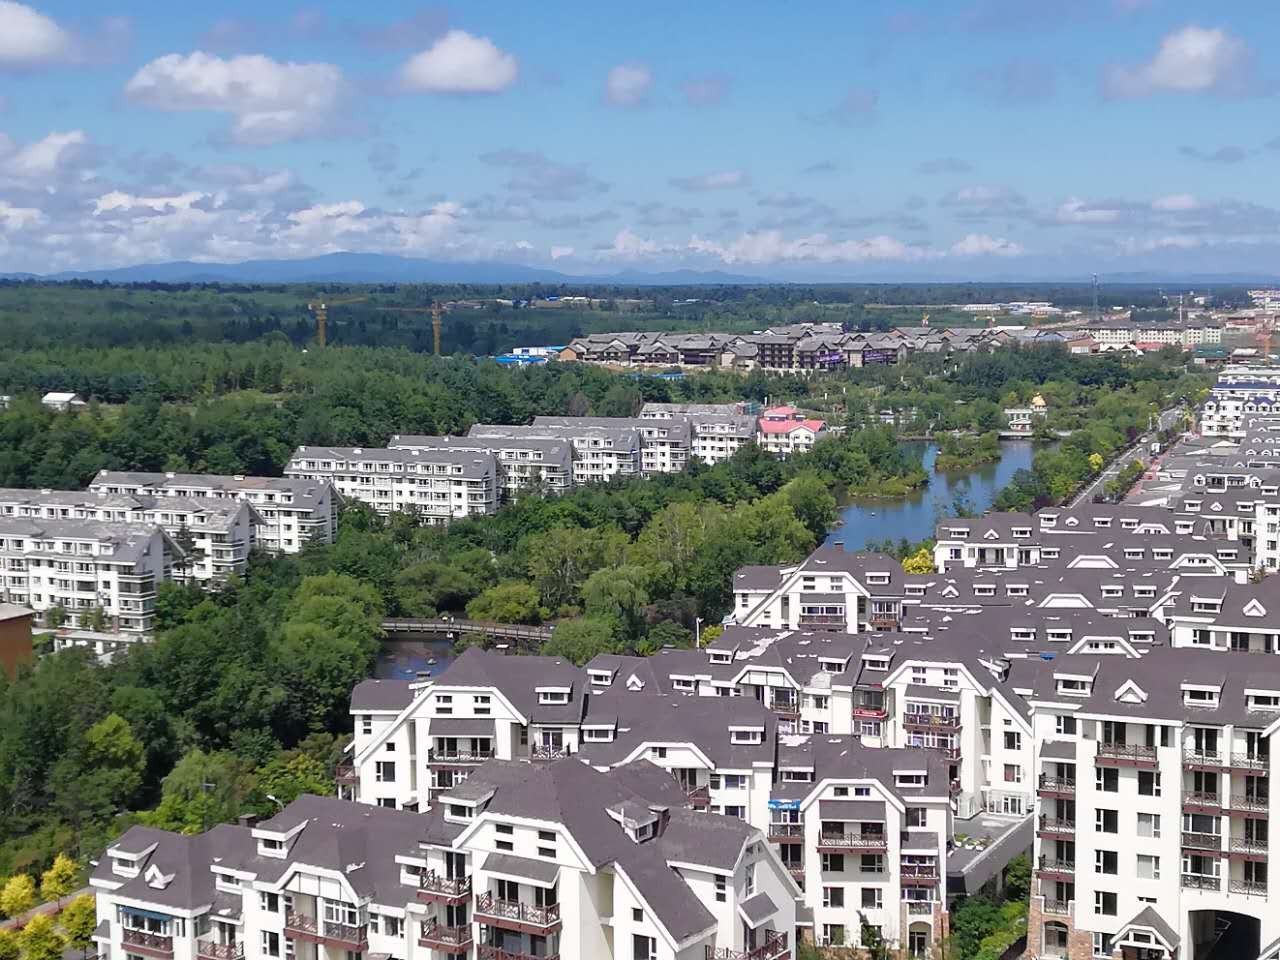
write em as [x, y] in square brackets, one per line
[1060, 908]
[917, 873]
[514, 915]
[883, 621]
[457, 757]
[436, 936]
[1200, 881]
[822, 621]
[344, 936]
[433, 887]
[947, 750]
[797, 872]
[548, 751]
[345, 775]
[1249, 804]
[1207, 842]
[786, 832]
[866, 711]
[150, 944]
[1051, 867]
[930, 721]
[919, 908]
[785, 708]
[212, 950]
[1125, 755]
[774, 948]
[1201, 802]
[1053, 827]
[1249, 761]
[1056, 786]
[1248, 848]
[871, 842]
[1204, 760]
[488, 952]
[1248, 888]
[698, 796]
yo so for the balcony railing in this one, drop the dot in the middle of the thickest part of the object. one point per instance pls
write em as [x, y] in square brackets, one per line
[822, 620]
[786, 707]
[345, 774]
[1247, 845]
[1057, 907]
[460, 756]
[212, 950]
[1200, 881]
[773, 948]
[432, 886]
[698, 796]
[1203, 758]
[1056, 825]
[1249, 761]
[934, 720]
[919, 908]
[870, 712]
[786, 831]
[1202, 798]
[797, 872]
[883, 621]
[1249, 888]
[541, 751]
[1202, 841]
[1054, 865]
[919, 871]
[298, 925]
[513, 911]
[854, 841]
[1251, 802]
[437, 936]
[1126, 752]
[1050, 784]
[486, 951]
[144, 942]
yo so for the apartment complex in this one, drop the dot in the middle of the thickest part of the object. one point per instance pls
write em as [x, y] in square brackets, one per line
[785, 431]
[290, 513]
[1186, 334]
[524, 464]
[519, 861]
[435, 485]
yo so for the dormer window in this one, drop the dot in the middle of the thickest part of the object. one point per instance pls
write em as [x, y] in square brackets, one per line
[1162, 553]
[550, 696]
[1112, 590]
[1264, 701]
[876, 663]
[831, 666]
[1016, 589]
[601, 678]
[914, 590]
[746, 735]
[960, 533]
[597, 734]
[984, 590]
[460, 811]
[1102, 522]
[1203, 697]
[1134, 553]
[1074, 686]
[683, 684]
[1022, 532]
[271, 848]
[720, 656]
[1049, 553]
[878, 579]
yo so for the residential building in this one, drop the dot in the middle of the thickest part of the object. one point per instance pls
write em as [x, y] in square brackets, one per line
[784, 431]
[524, 464]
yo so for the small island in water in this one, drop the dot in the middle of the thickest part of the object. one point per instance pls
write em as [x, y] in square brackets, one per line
[963, 451]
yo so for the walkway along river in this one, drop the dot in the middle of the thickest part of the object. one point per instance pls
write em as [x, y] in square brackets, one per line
[915, 516]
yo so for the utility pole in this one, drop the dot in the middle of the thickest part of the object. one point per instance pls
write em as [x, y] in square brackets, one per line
[1095, 298]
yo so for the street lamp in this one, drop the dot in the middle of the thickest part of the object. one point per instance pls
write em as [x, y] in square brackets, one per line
[276, 800]
[697, 633]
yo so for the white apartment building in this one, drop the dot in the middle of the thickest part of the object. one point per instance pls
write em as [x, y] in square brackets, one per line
[521, 861]
[82, 565]
[600, 453]
[719, 430]
[292, 513]
[664, 444]
[1186, 334]
[524, 463]
[784, 431]
[435, 485]
[219, 534]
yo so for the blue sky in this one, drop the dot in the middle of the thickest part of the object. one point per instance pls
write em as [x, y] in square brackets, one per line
[976, 138]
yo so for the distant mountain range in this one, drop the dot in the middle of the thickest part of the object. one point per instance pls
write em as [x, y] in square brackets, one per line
[373, 268]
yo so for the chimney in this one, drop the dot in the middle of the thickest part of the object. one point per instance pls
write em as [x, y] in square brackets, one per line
[247, 820]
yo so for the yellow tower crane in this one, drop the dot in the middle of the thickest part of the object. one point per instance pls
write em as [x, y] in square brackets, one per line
[437, 313]
[320, 309]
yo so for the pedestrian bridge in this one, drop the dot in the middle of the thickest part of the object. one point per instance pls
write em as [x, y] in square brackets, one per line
[452, 627]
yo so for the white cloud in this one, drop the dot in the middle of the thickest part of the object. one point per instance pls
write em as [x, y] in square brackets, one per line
[1191, 60]
[628, 84]
[981, 245]
[460, 63]
[629, 245]
[117, 201]
[271, 102]
[559, 253]
[16, 218]
[29, 38]
[719, 180]
[41, 162]
[1076, 210]
[770, 246]
[1175, 203]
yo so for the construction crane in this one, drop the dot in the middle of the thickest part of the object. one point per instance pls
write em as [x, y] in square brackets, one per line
[321, 310]
[437, 312]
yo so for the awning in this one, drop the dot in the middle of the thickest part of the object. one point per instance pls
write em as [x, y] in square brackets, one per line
[917, 692]
[1058, 750]
[149, 914]
[851, 810]
[920, 843]
[460, 727]
[521, 869]
[756, 910]
[102, 931]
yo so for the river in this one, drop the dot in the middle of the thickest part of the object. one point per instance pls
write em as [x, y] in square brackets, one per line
[916, 516]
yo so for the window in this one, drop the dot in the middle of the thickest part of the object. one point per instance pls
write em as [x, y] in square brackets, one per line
[385, 771]
[637, 915]
[1106, 821]
[735, 781]
[1012, 773]
[1102, 945]
[833, 863]
[1108, 779]
[1106, 861]
[444, 704]
[504, 828]
[366, 726]
[1066, 726]
[392, 926]
[833, 896]
[872, 898]
[752, 735]
[872, 863]
[1012, 740]
[270, 943]
[1104, 903]
[270, 902]
[1148, 867]
[1149, 825]
[722, 890]
[1149, 783]
[917, 817]
[833, 934]
[644, 948]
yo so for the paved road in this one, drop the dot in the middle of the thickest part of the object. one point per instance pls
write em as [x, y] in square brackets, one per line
[52, 907]
[1139, 450]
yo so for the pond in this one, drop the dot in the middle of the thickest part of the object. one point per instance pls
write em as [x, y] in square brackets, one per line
[916, 516]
